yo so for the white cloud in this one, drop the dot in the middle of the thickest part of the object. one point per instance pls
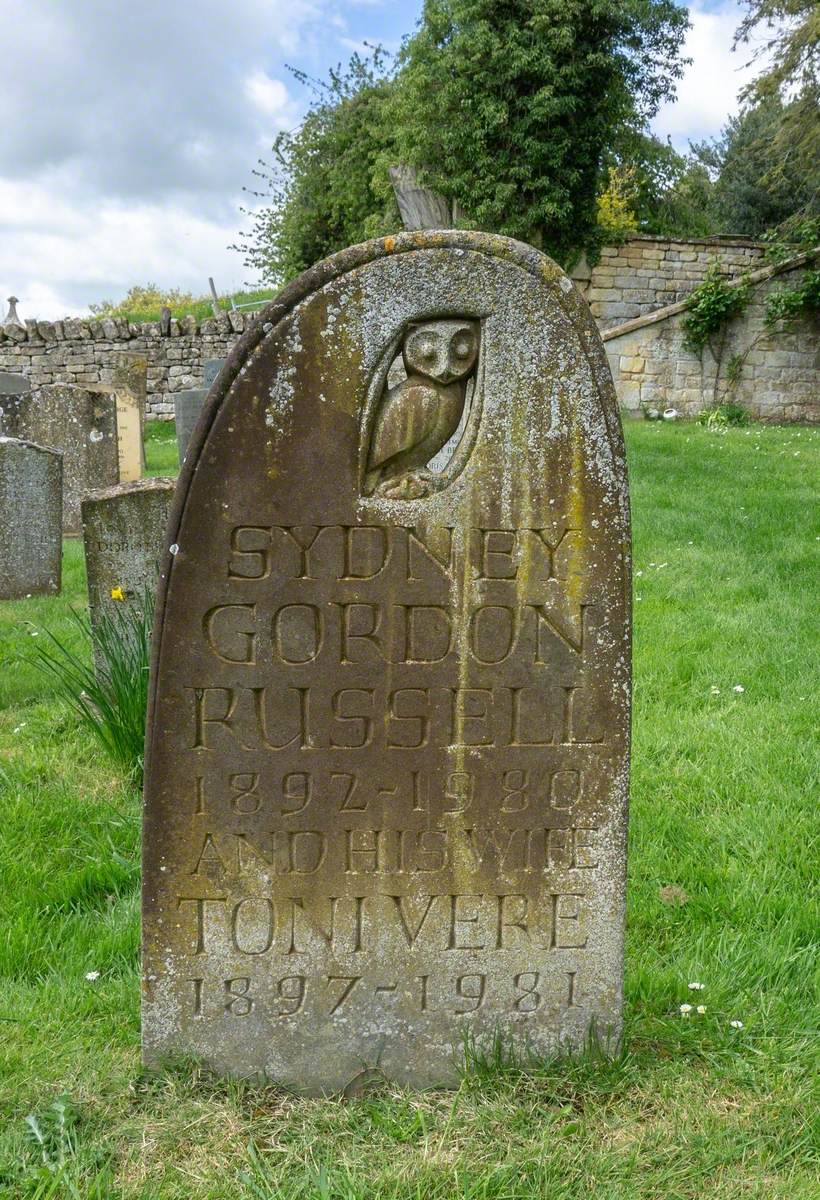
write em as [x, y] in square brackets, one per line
[76, 254]
[128, 133]
[271, 97]
[707, 93]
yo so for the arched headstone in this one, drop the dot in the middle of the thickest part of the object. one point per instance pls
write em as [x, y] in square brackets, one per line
[387, 749]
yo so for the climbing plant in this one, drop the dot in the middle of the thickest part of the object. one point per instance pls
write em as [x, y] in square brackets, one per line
[712, 305]
[788, 304]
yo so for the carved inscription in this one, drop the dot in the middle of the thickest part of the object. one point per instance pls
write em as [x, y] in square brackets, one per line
[387, 745]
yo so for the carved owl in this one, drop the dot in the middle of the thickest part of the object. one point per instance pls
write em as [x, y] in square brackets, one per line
[419, 415]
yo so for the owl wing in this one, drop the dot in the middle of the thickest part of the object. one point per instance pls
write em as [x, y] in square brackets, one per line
[407, 417]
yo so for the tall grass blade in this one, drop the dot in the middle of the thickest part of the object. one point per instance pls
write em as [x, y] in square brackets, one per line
[109, 698]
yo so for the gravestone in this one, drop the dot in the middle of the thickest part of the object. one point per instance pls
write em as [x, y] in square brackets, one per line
[387, 743]
[211, 368]
[129, 386]
[124, 539]
[187, 407]
[12, 384]
[31, 519]
[189, 404]
[81, 424]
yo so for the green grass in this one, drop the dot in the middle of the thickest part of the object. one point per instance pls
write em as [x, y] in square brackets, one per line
[723, 814]
[161, 456]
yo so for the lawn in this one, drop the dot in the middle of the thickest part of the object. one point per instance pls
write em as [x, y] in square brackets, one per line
[723, 871]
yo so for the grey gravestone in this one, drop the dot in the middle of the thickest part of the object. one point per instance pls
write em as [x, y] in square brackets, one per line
[12, 384]
[187, 407]
[31, 519]
[387, 747]
[80, 423]
[124, 537]
[189, 404]
[212, 367]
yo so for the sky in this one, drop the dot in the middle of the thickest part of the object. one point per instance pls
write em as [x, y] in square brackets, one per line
[129, 130]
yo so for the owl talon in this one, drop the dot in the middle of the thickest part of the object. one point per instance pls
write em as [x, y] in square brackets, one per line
[412, 485]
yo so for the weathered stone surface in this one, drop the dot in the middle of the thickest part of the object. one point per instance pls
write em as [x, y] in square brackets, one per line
[187, 407]
[31, 519]
[210, 369]
[128, 383]
[79, 423]
[124, 538]
[12, 384]
[387, 751]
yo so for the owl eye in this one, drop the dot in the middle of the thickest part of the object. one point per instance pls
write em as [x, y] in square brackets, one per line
[463, 349]
[428, 351]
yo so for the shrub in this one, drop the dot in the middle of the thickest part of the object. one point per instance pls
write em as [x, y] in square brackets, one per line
[723, 415]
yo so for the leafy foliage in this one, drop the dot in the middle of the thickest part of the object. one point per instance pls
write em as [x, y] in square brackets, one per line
[146, 303]
[756, 188]
[327, 187]
[791, 54]
[672, 195]
[141, 298]
[712, 305]
[723, 415]
[788, 84]
[616, 205]
[788, 304]
[110, 700]
[509, 108]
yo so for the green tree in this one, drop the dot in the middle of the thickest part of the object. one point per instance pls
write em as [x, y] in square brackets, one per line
[508, 106]
[323, 191]
[789, 53]
[672, 193]
[756, 189]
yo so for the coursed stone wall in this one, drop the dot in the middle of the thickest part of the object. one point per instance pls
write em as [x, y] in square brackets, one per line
[647, 273]
[86, 352]
[778, 371]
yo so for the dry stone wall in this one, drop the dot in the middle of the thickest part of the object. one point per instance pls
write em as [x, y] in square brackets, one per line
[88, 352]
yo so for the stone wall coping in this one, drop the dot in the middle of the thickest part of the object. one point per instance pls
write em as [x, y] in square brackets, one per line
[715, 239]
[672, 310]
[108, 329]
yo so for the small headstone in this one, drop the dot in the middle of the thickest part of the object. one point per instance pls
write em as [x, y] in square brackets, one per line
[79, 423]
[31, 519]
[187, 407]
[211, 368]
[13, 385]
[387, 748]
[129, 386]
[124, 537]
